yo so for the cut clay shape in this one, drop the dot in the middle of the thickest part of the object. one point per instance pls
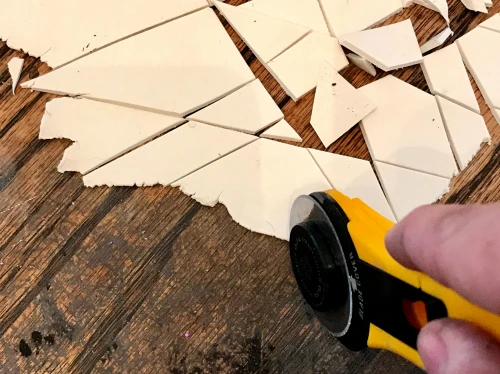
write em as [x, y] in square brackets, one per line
[344, 17]
[174, 68]
[492, 23]
[362, 63]
[475, 5]
[446, 76]
[466, 130]
[337, 107]
[265, 35]
[436, 41]
[408, 189]
[297, 68]
[480, 50]
[59, 31]
[488, 3]
[406, 128]
[302, 12]
[101, 131]
[258, 184]
[389, 47]
[355, 178]
[282, 131]
[15, 66]
[169, 157]
[440, 6]
[249, 109]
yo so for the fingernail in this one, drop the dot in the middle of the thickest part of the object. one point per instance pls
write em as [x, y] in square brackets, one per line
[393, 239]
[432, 348]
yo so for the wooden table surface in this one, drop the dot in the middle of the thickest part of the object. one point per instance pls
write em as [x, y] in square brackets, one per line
[145, 280]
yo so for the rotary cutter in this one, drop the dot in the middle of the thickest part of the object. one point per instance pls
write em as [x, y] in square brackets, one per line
[356, 289]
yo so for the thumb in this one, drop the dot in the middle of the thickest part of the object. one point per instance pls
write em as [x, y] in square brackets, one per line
[449, 346]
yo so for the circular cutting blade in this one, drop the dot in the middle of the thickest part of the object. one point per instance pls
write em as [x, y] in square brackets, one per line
[319, 265]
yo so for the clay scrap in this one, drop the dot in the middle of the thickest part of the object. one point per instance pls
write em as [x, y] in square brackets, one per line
[15, 66]
[389, 47]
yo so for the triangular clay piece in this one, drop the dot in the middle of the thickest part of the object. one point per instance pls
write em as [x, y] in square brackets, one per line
[265, 35]
[297, 68]
[475, 5]
[406, 128]
[440, 6]
[389, 47]
[282, 131]
[59, 31]
[101, 131]
[466, 130]
[492, 23]
[302, 12]
[337, 107]
[436, 40]
[362, 63]
[480, 50]
[355, 178]
[344, 17]
[249, 109]
[258, 184]
[174, 68]
[169, 157]
[408, 189]
[15, 66]
[446, 76]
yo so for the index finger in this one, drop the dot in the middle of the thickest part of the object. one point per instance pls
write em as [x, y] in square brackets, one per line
[458, 246]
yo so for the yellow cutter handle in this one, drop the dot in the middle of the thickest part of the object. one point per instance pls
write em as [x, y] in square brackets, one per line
[379, 339]
[460, 308]
[368, 229]
[457, 307]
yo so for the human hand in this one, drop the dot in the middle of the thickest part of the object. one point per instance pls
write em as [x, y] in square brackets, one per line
[458, 246]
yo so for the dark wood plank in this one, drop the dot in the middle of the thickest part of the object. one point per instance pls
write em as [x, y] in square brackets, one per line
[146, 280]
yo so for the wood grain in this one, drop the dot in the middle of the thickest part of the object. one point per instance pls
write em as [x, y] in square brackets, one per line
[127, 280]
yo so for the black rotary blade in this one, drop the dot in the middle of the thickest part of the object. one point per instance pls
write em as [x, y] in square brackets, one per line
[327, 268]
[319, 265]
